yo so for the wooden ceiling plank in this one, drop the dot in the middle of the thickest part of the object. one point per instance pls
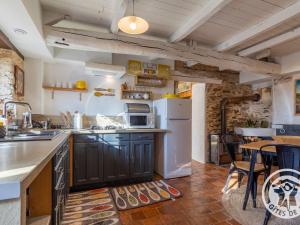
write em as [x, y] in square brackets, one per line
[119, 12]
[202, 16]
[119, 44]
[271, 42]
[257, 29]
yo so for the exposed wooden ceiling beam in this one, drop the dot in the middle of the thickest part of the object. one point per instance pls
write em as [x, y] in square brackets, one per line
[199, 77]
[191, 63]
[263, 26]
[263, 54]
[6, 44]
[202, 16]
[271, 42]
[106, 42]
[119, 12]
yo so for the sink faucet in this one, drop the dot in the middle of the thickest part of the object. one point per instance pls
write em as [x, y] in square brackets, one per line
[26, 122]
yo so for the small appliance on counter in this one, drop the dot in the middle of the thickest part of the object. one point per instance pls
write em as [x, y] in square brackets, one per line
[138, 115]
[77, 120]
[173, 155]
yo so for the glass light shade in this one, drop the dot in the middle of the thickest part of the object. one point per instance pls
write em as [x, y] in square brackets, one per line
[133, 25]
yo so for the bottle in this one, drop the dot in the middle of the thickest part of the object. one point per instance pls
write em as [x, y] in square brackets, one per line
[77, 120]
[2, 129]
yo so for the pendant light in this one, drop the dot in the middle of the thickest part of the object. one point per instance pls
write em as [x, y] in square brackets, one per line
[133, 24]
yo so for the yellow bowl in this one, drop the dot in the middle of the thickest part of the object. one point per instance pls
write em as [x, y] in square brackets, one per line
[81, 84]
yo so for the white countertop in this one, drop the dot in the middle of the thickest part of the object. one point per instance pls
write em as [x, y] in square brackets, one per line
[118, 131]
[22, 161]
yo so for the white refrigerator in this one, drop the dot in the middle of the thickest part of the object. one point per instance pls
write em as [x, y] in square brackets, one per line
[173, 153]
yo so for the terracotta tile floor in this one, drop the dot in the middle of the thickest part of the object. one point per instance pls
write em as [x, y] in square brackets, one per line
[200, 205]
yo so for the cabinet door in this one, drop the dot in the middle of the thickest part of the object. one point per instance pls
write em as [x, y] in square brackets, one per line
[116, 163]
[88, 163]
[141, 158]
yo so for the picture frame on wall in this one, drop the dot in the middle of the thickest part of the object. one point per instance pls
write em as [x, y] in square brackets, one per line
[19, 81]
[297, 97]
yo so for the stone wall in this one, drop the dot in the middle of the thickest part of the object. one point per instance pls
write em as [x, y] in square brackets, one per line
[8, 59]
[230, 87]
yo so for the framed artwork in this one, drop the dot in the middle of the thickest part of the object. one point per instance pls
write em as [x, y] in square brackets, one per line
[297, 97]
[183, 89]
[19, 81]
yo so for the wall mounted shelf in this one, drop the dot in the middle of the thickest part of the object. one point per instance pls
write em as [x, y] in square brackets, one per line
[145, 80]
[150, 81]
[53, 89]
[135, 95]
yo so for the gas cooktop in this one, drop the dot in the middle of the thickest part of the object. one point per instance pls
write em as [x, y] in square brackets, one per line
[107, 127]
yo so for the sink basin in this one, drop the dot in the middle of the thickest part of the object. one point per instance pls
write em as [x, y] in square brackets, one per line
[32, 135]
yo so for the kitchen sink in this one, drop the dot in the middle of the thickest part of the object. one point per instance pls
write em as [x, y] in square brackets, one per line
[31, 135]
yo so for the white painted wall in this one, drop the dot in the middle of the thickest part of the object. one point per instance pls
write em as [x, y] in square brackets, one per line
[283, 102]
[34, 69]
[59, 70]
[198, 123]
[290, 63]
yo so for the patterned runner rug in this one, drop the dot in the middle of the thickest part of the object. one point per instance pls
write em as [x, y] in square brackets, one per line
[94, 207]
[138, 195]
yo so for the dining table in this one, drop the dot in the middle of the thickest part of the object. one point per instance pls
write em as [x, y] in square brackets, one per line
[269, 152]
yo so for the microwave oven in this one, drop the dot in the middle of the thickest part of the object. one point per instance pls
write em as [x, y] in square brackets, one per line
[139, 120]
[138, 116]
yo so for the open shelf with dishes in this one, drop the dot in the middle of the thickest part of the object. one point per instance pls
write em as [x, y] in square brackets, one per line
[136, 95]
[150, 81]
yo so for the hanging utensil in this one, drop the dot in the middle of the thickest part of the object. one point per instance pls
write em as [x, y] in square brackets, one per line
[99, 94]
[105, 89]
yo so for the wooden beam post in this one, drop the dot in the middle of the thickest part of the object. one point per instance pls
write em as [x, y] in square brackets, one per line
[105, 42]
[263, 26]
[202, 16]
[271, 42]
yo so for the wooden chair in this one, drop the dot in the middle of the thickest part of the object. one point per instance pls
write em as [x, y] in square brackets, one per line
[231, 144]
[288, 157]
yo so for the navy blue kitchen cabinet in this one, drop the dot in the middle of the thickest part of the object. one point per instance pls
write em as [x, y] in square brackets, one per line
[88, 160]
[141, 158]
[116, 164]
[106, 158]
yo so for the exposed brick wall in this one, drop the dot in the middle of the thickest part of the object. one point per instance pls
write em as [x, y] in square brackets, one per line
[236, 113]
[8, 59]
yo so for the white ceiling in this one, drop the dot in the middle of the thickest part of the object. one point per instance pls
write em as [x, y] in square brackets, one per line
[26, 15]
[167, 16]
[164, 16]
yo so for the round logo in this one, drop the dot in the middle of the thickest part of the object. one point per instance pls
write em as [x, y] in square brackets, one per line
[282, 198]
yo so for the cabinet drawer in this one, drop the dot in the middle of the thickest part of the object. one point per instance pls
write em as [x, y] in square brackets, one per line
[142, 136]
[116, 137]
[85, 138]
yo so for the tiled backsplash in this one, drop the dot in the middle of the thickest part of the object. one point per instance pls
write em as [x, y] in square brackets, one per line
[88, 121]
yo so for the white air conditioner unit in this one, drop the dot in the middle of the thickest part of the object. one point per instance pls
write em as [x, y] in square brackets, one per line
[99, 69]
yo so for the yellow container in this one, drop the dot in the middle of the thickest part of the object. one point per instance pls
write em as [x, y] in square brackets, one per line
[81, 84]
[170, 95]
